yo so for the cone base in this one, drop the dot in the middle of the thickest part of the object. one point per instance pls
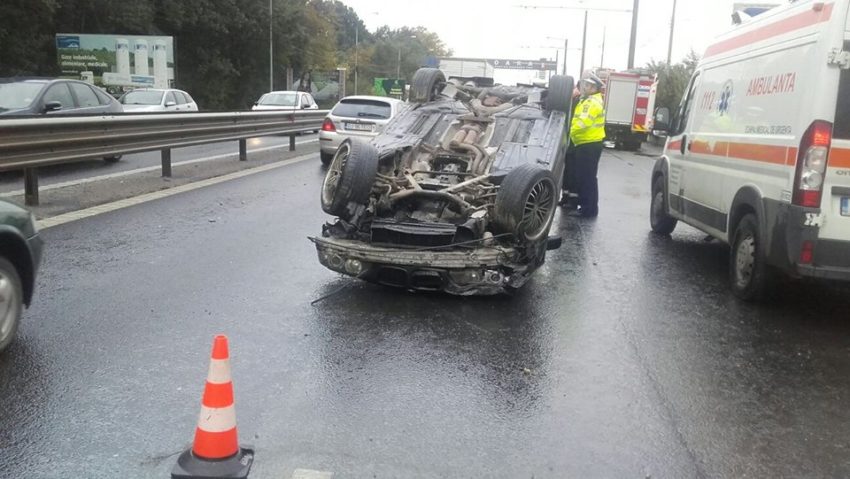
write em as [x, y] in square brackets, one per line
[190, 466]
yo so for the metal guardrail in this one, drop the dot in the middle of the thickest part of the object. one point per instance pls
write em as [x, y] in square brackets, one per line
[29, 143]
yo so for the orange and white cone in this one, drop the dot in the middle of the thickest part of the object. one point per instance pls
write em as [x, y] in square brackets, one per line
[215, 453]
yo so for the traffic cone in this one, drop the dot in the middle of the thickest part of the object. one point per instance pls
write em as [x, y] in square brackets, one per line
[216, 453]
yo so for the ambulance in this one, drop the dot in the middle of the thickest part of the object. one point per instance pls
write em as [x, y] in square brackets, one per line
[758, 155]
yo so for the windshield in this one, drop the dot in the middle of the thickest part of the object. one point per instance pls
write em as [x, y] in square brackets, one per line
[278, 99]
[142, 98]
[14, 96]
[363, 109]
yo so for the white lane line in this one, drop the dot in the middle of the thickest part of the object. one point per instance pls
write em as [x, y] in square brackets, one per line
[311, 474]
[125, 203]
[145, 169]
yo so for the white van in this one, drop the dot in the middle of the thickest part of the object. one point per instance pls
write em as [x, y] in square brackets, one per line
[759, 153]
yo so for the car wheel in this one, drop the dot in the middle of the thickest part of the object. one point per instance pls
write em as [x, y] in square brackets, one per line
[659, 218]
[748, 271]
[427, 83]
[112, 159]
[326, 158]
[11, 302]
[526, 202]
[350, 177]
[560, 94]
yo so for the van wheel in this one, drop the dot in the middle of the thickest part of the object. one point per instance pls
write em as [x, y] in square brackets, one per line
[350, 177]
[659, 218]
[749, 274]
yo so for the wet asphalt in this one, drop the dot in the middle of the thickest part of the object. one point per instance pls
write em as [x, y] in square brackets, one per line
[625, 356]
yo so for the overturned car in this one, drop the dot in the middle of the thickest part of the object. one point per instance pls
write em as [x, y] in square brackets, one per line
[457, 194]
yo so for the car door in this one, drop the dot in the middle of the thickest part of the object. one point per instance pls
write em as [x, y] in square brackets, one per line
[171, 103]
[677, 150]
[58, 92]
[86, 99]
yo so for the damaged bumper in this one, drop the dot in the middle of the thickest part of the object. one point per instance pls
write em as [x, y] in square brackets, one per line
[479, 271]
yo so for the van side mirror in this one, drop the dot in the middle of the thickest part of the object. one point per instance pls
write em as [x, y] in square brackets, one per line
[52, 106]
[661, 119]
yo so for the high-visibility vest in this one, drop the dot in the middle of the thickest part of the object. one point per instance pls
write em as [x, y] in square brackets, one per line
[588, 125]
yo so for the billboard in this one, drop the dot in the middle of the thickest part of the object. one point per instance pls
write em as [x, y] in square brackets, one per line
[117, 61]
[388, 87]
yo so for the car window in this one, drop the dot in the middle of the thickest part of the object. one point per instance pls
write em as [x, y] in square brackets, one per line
[142, 97]
[103, 97]
[310, 99]
[278, 99]
[363, 109]
[85, 95]
[181, 97]
[59, 92]
[170, 97]
[305, 102]
[18, 94]
[686, 106]
[188, 97]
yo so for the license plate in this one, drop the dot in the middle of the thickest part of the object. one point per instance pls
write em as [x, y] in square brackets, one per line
[358, 127]
[845, 206]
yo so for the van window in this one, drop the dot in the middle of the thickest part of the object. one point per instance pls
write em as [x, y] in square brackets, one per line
[841, 129]
[685, 108]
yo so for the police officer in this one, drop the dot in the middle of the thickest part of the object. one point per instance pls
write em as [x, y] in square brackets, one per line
[587, 133]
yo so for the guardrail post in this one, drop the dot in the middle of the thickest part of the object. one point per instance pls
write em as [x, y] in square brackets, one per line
[291, 142]
[243, 150]
[166, 162]
[31, 186]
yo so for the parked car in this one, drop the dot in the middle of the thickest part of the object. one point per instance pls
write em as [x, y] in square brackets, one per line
[286, 100]
[355, 116]
[456, 194]
[45, 96]
[20, 256]
[144, 100]
[759, 154]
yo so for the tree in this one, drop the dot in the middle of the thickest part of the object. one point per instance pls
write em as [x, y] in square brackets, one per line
[673, 80]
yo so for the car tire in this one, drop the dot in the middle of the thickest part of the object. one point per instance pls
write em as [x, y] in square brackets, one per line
[659, 217]
[560, 94]
[326, 158]
[112, 159]
[11, 302]
[350, 177]
[426, 86]
[750, 276]
[526, 203]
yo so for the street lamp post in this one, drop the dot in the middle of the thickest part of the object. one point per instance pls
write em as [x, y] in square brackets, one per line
[271, 50]
[398, 69]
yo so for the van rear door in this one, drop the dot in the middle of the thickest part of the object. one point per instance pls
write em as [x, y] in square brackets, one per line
[835, 202]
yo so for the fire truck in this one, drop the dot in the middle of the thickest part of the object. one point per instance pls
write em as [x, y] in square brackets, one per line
[629, 103]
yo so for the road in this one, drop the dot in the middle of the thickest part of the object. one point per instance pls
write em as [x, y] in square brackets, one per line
[625, 356]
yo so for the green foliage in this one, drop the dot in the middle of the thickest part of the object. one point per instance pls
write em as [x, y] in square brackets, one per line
[673, 80]
[221, 46]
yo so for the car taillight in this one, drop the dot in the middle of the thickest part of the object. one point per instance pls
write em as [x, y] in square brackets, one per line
[811, 164]
[328, 125]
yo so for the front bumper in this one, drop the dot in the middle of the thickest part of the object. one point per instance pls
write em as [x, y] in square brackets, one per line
[480, 271]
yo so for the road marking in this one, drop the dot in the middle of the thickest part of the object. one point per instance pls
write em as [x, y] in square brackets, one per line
[311, 474]
[126, 203]
[145, 169]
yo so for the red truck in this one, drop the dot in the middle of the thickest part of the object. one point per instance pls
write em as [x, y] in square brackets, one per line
[629, 103]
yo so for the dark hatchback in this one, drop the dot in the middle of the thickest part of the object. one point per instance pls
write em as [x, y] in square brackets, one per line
[20, 256]
[42, 96]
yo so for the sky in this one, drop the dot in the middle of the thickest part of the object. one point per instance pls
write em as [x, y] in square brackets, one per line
[505, 29]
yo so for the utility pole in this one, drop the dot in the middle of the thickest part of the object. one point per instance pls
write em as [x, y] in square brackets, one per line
[633, 39]
[356, 45]
[566, 47]
[602, 60]
[672, 25]
[271, 49]
[583, 44]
